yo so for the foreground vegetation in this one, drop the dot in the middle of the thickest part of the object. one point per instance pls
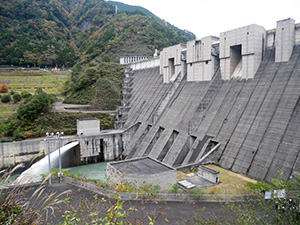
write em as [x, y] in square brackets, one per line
[68, 209]
[35, 205]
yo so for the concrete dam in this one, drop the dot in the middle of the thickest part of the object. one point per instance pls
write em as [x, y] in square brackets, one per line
[232, 100]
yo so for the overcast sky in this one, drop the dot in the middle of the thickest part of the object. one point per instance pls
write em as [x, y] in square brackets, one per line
[211, 17]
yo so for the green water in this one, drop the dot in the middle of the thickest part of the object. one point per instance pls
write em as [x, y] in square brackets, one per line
[91, 171]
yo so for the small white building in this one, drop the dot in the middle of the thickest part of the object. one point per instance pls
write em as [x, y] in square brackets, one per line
[209, 174]
[86, 127]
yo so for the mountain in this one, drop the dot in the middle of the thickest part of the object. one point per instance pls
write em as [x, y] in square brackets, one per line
[129, 8]
[52, 32]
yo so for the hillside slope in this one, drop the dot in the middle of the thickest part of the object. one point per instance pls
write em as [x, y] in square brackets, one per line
[48, 33]
[124, 7]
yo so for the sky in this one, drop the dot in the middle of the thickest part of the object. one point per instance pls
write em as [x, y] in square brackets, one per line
[211, 17]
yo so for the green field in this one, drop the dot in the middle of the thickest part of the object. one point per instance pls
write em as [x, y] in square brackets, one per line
[6, 110]
[31, 80]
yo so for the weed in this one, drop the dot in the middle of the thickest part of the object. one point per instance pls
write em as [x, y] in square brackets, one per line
[16, 209]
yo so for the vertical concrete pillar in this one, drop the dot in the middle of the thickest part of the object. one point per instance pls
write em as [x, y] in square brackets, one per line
[201, 63]
[171, 62]
[241, 51]
[284, 40]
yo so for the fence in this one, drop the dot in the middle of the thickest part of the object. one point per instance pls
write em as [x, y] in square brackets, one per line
[158, 197]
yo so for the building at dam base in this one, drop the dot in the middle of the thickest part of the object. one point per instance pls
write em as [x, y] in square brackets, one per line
[141, 171]
[232, 100]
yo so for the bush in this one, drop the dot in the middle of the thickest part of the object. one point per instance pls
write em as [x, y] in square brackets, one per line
[25, 94]
[106, 58]
[3, 88]
[6, 98]
[17, 97]
[92, 64]
[33, 106]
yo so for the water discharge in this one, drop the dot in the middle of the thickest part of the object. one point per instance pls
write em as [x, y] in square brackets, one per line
[33, 174]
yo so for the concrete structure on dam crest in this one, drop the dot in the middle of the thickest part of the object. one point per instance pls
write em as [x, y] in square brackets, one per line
[233, 100]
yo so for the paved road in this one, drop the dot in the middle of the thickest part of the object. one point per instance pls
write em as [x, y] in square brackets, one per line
[172, 212]
[60, 107]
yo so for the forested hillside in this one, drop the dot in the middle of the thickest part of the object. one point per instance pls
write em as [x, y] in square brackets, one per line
[48, 33]
[124, 7]
[86, 35]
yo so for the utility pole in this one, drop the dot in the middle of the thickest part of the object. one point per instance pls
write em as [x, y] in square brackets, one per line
[58, 135]
[49, 161]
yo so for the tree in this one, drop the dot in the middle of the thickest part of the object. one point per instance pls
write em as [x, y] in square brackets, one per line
[106, 58]
[6, 98]
[17, 97]
[34, 105]
[3, 88]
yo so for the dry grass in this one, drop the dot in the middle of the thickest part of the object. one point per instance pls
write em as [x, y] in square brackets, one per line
[17, 208]
[231, 183]
[19, 81]
[181, 175]
[30, 81]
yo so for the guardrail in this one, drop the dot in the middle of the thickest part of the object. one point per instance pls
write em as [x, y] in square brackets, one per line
[157, 197]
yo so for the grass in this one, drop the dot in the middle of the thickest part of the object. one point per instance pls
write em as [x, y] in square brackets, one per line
[30, 81]
[16, 202]
[231, 183]
[181, 175]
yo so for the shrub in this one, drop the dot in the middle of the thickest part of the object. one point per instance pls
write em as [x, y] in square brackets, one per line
[17, 208]
[92, 64]
[106, 58]
[28, 95]
[3, 88]
[17, 97]
[33, 106]
[6, 98]
[25, 94]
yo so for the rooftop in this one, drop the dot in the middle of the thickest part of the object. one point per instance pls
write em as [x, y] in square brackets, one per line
[142, 166]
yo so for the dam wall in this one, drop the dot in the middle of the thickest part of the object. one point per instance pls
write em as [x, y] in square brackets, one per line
[106, 146]
[236, 104]
[13, 153]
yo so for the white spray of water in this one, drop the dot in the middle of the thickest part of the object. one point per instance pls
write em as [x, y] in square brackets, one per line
[33, 174]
